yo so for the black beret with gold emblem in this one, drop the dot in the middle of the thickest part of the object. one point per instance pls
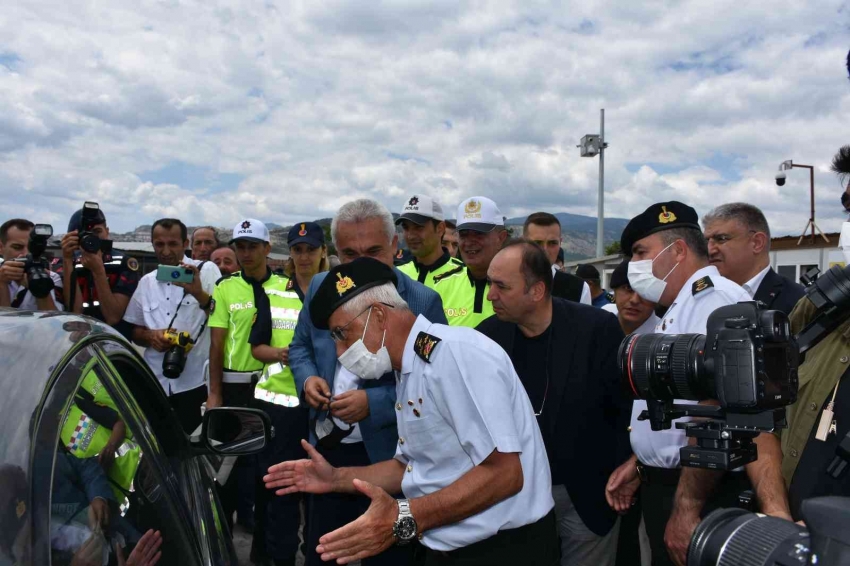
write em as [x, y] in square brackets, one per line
[343, 283]
[658, 217]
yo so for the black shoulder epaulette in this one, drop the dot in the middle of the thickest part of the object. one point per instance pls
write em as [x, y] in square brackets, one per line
[701, 285]
[424, 345]
[454, 271]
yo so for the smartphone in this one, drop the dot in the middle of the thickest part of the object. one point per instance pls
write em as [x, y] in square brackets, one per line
[174, 274]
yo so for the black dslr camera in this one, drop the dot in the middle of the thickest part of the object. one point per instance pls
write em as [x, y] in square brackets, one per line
[747, 360]
[89, 241]
[36, 267]
[175, 358]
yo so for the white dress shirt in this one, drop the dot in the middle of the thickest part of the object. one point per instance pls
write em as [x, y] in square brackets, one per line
[344, 381]
[29, 302]
[585, 299]
[453, 412]
[752, 286]
[153, 306]
[688, 314]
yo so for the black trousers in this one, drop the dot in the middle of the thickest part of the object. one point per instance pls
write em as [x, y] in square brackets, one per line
[536, 544]
[659, 492]
[628, 544]
[330, 511]
[187, 407]
[277, 517]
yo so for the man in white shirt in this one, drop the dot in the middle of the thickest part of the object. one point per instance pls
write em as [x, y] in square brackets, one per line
[14, 237]
[158, 305]
[739, 246]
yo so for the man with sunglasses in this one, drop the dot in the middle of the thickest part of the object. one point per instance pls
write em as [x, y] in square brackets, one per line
[469, 455]
[739, 246]
[352, 417]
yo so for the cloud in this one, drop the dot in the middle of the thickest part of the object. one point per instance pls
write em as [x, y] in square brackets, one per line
[216, 110]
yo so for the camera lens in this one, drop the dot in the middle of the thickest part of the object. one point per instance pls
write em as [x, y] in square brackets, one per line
[90, 243]
[735, 536]
[174, 362]
[665, 366]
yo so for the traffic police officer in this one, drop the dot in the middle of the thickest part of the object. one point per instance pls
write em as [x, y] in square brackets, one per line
[423, 224]
[669, 266]
[470, 456]
[101, 283]
[481, 232]
[233, 370]
[276, 394]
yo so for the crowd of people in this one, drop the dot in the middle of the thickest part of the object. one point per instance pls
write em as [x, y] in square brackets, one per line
[459, 401]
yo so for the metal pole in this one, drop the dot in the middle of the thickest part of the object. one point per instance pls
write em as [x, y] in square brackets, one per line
[812, 184]
[600, 231]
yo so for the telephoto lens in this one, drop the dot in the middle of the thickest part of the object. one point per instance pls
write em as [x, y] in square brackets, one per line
[665, 366]
[730, 537]
[174, 362]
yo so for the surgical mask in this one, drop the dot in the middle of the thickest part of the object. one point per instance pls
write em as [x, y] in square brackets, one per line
[363, 363]
[644, 282]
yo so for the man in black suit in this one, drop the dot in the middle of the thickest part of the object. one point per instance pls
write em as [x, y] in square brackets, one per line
[565, 354]
[544, 229]
[739, 246]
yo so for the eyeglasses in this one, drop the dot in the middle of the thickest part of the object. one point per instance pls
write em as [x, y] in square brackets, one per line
[338, 333]
[721, 239]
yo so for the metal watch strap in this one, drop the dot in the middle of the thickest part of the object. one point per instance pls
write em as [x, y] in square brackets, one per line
[404, 508]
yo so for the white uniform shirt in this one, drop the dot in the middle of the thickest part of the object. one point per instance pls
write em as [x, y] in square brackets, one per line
[153, 306]
[752, 286]
[688, 314]
[29, 302]
[452, 414]
[585, 299]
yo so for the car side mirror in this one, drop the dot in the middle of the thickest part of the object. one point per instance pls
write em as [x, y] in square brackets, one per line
[236, 431]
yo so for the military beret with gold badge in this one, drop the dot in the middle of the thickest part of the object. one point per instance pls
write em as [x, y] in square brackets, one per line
[343, 283]
[658, 217]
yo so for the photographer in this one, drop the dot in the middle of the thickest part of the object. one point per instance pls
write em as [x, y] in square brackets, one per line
[670, 265]
[99, 282]
[158, 305]
[14, 291]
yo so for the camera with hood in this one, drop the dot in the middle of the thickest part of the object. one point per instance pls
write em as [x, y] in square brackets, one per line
[175, 358]
[36, 267]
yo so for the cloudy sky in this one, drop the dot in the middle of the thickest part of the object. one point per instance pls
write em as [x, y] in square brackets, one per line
[214, 110]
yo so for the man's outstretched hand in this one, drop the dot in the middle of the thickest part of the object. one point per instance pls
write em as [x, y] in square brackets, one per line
[315, 475]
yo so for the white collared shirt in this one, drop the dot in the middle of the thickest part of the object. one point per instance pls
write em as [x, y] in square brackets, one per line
[585, 299]
[344, 381]
[752, 286]
[453, 411]
[688, 314]
[153, 306]
[29, 302]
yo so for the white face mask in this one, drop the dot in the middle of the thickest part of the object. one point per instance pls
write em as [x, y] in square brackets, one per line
[644, 282]
[363, 363]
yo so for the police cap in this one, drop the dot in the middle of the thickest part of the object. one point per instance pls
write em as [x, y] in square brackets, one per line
[306, 232]
[620, 276]
[587, 271]
[658, 217]
[343, 283]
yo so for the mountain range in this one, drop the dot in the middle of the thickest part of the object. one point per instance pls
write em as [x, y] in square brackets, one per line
[578, 233]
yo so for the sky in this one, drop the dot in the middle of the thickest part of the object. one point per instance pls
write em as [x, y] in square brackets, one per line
[216, 110]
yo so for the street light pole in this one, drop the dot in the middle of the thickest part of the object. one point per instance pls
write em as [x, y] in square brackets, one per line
[600, 221]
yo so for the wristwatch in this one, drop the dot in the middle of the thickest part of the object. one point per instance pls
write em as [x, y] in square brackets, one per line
[405, 529]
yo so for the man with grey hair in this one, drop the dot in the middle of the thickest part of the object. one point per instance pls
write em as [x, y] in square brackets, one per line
[469, 456]
[739, 246]
[204, 242]
[353, 420]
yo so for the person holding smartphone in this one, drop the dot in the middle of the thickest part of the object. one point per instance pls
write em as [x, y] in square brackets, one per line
[178, 303]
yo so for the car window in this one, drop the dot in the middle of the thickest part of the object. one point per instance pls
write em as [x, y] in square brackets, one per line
[110, 484]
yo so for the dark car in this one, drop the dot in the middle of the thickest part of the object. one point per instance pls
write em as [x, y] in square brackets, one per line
[92, 457]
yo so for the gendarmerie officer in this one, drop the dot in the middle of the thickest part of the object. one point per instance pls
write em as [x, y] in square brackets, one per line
[470, 458]
[670, 266]
[102, 282]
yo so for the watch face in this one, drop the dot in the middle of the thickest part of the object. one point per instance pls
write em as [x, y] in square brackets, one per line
[405, 528]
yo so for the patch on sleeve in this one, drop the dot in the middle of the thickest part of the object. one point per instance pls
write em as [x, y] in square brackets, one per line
[212, 305]
[132, 264]
[424, 345]
[701, 285]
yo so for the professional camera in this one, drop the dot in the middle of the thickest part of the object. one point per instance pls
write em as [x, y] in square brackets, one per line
[89, 241]
[175, 358]
[36, 267]
[736, 536]
[747, 360]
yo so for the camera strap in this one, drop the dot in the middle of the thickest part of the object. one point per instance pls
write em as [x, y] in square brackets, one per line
[180, 304]
[19, 298]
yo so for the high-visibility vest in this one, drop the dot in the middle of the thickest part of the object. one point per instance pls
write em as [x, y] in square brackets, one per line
[277, 384]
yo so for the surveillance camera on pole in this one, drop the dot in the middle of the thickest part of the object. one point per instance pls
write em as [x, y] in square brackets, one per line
[787, 165]
[780, 178]
[592, 145]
